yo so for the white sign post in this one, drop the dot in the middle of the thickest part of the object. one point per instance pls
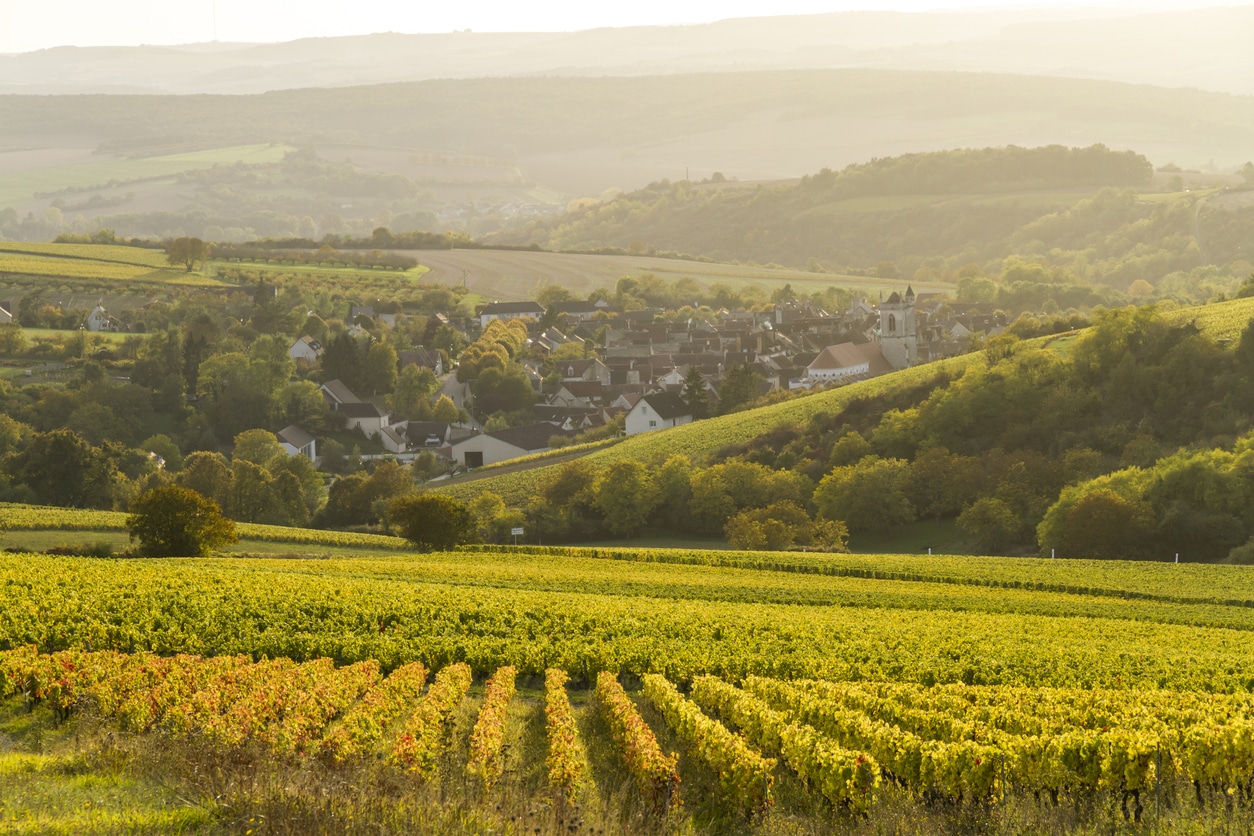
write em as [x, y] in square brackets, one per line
[516, 532]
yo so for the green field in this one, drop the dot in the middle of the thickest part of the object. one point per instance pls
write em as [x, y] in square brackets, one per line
[516, 275]
[21, 186]
[92, 262]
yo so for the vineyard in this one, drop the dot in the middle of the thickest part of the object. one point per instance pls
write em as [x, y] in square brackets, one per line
[839, 745]
[44, 518]
[631, 691]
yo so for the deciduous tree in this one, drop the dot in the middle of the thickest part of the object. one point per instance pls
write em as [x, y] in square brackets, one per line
[171, 521]
[432, 522]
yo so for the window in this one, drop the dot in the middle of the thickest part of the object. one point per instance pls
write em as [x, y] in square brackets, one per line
[644, 410]
[892, 323]
[652, 424]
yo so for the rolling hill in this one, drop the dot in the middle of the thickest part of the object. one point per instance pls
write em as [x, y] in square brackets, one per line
[477, 153]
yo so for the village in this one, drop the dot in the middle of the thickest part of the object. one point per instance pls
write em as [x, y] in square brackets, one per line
[598, 371]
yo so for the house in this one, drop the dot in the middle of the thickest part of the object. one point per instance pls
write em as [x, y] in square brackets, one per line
[297, 442]
[366, 417]
[388, 319]
[838, 362]
[305, 349]
[335, 393]
[509, 310]
[588, 369]
[422, 358]
[657, 411]
[502, 445]
[393, 439]
[99, 320]
[430, 435]
[847, 361]
[576, 310]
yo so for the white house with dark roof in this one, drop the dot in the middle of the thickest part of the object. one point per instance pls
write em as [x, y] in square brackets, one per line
[393, 439]
[335, 393]
[366, 417]
[502, 445]
[509, 310]
[306, 349]
[99, 320]
[297, 442]
[657, 411]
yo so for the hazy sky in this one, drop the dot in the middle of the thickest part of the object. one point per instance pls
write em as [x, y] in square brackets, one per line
[30, 24]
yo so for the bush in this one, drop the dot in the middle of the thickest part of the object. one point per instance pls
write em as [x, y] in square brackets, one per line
[171, 521]
[432, 522]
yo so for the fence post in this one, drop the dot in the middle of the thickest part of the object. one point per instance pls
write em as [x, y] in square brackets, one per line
[1158, 783]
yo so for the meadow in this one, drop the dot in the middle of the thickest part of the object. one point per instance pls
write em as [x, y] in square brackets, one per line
[624, 691]
[520, 274]
[87, 173]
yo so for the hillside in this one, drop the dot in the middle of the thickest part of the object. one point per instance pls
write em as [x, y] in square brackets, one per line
[1004, 442]
[474, 154]
[1088, 211]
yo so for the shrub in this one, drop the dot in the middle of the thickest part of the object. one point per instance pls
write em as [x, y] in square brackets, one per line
[171, 521]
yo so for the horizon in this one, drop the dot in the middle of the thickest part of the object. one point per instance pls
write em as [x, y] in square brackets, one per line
[134, 23]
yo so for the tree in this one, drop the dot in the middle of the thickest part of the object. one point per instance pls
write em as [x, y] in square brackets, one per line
[412, 392]
[61, 468]
[186, 251]
[12, 340]
[740, 386]
[445, 410]
[867, 496]
[171, 521]
[432, 522]
[257, 446]
[1104, 524]
[626, 495]
[342, 359]
[695, 395]
[992, 523]
[379, 368]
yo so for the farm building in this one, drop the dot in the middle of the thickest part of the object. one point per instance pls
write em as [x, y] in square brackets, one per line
[657, 411]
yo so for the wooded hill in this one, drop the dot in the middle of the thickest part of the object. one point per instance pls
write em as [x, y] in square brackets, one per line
[582, 135]
[1081, 209]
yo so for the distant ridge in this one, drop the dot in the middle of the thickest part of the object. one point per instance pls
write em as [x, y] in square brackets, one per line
[1202, 48]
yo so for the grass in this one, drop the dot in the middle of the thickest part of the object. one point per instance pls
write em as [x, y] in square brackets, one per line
[941, 536]
[413, 274]
[138, 256]
[21, 186]
[507, 274]
[65, 779]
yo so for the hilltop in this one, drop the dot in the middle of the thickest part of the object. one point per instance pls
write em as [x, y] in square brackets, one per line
[1098, 215]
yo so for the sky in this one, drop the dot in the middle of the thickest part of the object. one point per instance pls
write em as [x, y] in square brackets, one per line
[27, 25]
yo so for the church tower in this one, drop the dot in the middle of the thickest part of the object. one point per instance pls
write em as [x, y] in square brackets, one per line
[898, 338]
